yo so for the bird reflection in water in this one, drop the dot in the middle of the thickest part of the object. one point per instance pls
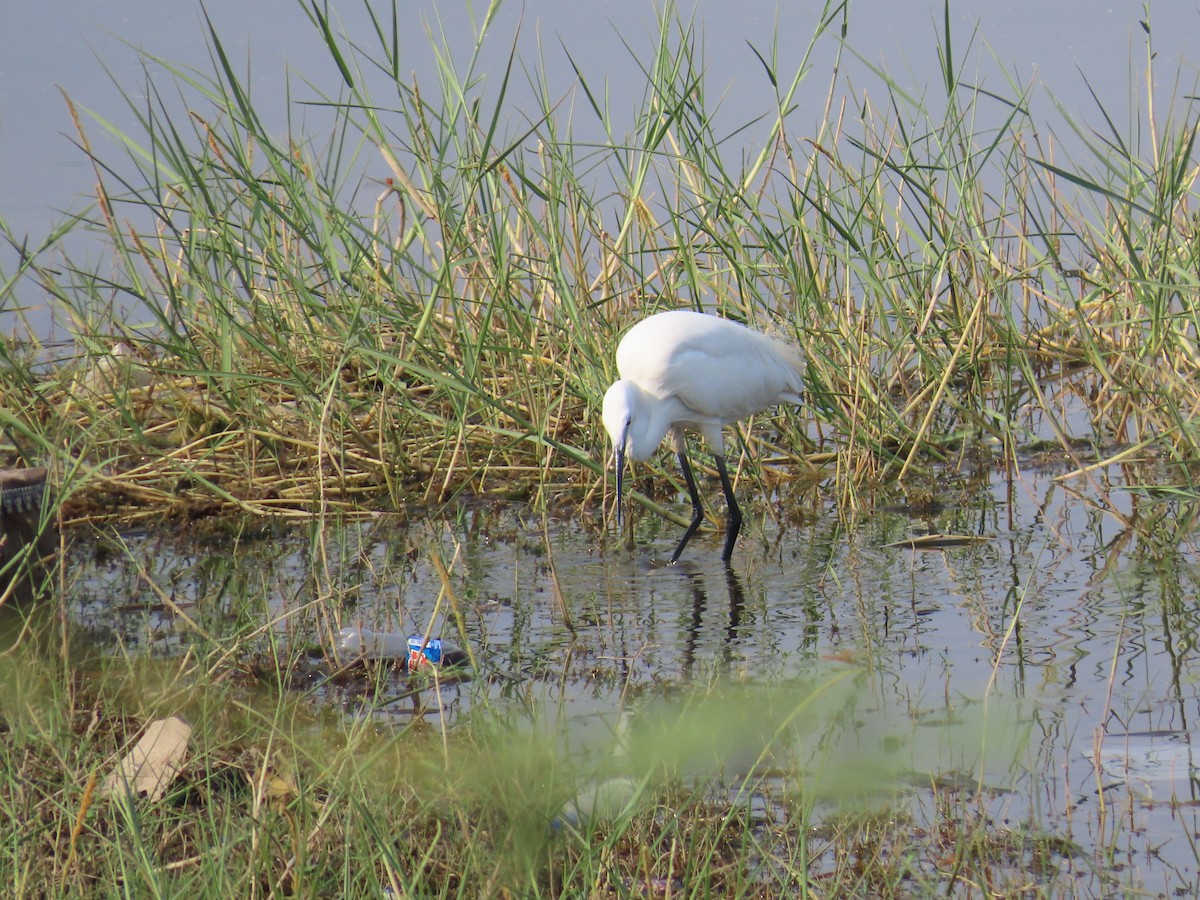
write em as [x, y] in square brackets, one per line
[737, 604]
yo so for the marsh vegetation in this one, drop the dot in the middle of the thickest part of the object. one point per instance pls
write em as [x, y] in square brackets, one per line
[383, 346]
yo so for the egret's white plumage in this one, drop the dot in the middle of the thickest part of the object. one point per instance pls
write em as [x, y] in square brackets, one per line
[684, 369]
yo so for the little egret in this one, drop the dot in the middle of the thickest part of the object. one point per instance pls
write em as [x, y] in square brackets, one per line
[684, 369]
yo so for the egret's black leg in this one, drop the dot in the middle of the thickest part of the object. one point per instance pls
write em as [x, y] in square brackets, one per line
[734, 523]
[697, 509]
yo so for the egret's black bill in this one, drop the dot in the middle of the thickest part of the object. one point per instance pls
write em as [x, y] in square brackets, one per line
[620, 481]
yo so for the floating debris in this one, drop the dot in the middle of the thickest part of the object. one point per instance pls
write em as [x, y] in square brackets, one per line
[22, 495]
[414, 650]
[155, 760]
[938, 541]
[22, 490]
[356, 643]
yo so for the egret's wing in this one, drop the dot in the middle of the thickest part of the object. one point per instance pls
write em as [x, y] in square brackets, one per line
[729, 386]
[718, 369]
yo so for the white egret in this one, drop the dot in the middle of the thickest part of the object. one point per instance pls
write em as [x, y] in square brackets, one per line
[685, 369]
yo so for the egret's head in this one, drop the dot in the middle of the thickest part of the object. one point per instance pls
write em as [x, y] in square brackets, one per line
[619, 402]
[618, 410]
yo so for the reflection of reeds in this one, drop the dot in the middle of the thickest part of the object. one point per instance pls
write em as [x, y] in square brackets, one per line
[304, 354]
[25, 535]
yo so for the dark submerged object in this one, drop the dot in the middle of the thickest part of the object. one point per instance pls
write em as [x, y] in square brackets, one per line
[22, 495]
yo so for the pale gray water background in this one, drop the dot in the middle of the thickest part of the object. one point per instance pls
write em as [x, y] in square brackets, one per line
[1068, 50]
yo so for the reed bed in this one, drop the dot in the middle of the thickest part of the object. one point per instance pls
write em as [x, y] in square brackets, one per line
[261, 341]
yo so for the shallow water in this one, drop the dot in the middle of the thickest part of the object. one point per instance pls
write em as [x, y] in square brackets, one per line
[1063, 636]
